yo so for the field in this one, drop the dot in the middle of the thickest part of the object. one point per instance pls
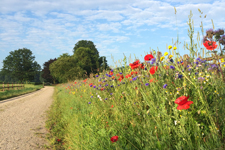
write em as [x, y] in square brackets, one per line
[14, 93]
[165, 103]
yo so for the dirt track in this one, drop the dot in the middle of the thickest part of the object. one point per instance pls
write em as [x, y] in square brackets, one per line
[22, 121]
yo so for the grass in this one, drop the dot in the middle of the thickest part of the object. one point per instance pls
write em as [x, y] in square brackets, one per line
[14, 93]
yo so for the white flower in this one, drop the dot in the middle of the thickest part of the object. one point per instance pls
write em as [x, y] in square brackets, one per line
[175, 122]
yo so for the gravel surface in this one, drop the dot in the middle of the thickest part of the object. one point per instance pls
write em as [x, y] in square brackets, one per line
[22, 121]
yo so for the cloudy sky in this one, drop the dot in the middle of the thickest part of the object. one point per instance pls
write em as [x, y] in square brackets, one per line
[50, 28]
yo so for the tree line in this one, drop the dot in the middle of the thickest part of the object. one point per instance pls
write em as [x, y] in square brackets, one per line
[20, 66]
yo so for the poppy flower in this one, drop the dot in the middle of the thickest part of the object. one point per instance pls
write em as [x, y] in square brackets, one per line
[112, 106]
[153, 69]
[148, 57]
[183, 103]
[127, 76]
[114, 138]
[111, 73]
[153, 80]
[210, 45]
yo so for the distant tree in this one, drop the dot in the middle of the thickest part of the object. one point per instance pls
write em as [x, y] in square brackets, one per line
[93, 55]
[46, 72]
[19, 64]
[64, 68]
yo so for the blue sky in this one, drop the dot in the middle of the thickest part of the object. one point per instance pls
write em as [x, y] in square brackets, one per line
[50, 28]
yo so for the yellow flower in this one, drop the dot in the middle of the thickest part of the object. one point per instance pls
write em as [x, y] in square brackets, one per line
[169, 47]
[175, 48]
[170, 56]
[164, 65]
[162, 58]
[166, 53]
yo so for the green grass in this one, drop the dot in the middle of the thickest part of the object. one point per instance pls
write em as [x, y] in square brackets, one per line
[14, 93]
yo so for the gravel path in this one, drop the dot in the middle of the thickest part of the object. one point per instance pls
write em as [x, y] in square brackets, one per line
[22, 121]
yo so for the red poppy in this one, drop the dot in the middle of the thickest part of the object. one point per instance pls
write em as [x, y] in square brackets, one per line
[136, 64]
[153, 80]
[58, 140]
[102, 89]
[210, 45]
[113, 77]
[127, 76]
[112, 106]
[183, 103]
[153, 69]
[148, 57]
[114, 138]
[110, 73]
[75, 82]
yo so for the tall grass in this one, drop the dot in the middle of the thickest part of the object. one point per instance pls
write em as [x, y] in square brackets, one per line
[141, 109]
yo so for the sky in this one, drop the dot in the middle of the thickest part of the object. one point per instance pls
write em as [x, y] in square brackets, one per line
[50, 28]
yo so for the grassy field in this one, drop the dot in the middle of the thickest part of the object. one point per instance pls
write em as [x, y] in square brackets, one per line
[14, 93]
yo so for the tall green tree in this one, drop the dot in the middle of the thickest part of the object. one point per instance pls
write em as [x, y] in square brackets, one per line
[46, 72]
[97, 63]
[64, 68]
[19, 64]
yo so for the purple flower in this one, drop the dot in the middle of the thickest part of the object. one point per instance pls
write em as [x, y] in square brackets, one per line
[96, 75]
[189, 69]
[172, 67]
[164, 86]
[180, 76]
[106, 98]
[94, 86]
[111, 86]
[153, 60]
[90, 85]
[89, 103]
[171, 60]
[111, 93]
[135, 78]
[112, 70]
[106, 85]
[147, 84]
[120, 73]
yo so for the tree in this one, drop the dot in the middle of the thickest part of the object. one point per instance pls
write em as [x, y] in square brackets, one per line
[92, 54]
[64, 68]
[46, 72]
[19, 64]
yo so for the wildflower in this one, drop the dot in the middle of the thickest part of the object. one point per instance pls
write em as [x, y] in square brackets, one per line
[172, 67]
[96, 75]
[180, 76]
[210, 45]
[58, 140]
[114, 138]
[164, 86]
[136, 64]
[147, 84]
[171, 60]
[166, 53]
[112, 106]
[183, 103]
[153, 69]
[201, 78]
[153, 61]
[169, 47]
[152, 80]
[162, 58]
[148, 57]
[175, 122]
[89, 103]
[174, 48]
